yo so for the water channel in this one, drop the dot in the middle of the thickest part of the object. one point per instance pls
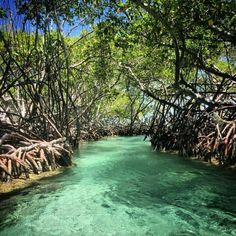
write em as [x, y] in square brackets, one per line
[120, 186]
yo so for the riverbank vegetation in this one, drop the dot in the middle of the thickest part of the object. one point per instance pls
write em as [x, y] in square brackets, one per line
[164, 68]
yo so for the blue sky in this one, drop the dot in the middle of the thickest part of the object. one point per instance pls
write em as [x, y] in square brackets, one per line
[9, 6]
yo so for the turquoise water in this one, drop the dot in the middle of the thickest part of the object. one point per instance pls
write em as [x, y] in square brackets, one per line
[119, 186]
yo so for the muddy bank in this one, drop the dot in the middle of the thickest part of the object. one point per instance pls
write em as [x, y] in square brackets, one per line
[22, 182]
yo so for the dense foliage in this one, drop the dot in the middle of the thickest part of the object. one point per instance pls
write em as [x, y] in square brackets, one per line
[166, 64]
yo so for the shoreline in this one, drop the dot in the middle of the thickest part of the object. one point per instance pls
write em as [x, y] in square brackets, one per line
[213, 162]
[30, 159]
[19, 184]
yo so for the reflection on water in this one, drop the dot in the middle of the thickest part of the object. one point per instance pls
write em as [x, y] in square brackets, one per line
[121, 187]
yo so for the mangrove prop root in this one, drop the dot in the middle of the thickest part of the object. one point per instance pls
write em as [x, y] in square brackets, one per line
[204, 135]
[34, 157]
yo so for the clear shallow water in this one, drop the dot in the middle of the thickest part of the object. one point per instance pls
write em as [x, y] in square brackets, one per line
[121, 187]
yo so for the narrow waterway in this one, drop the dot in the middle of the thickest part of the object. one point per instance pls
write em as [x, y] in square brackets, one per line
[119, 186]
